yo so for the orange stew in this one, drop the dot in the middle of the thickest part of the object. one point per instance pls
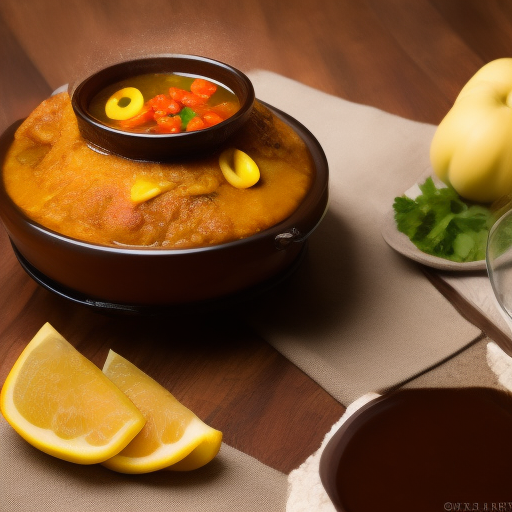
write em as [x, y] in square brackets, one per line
[58, 181]
[172, 104]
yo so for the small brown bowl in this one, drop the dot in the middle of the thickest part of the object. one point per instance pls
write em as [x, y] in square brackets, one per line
[160, 147]
[145, 280]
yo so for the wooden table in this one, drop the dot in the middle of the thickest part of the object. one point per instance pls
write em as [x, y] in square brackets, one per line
[407, 58]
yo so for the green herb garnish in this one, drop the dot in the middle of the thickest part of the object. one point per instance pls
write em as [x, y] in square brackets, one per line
[186, 115]
[440, 223]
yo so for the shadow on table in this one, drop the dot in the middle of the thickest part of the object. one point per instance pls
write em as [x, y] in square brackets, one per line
[323, 290]
[320, 293]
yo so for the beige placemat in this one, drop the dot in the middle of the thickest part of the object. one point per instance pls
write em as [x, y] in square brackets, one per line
[357, 316]
[31, 481]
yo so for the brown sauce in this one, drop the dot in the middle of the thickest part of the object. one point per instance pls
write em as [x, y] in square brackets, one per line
[429, 450]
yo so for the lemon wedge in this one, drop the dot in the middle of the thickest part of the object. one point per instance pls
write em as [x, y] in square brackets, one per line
[62, 404]
[173, 436]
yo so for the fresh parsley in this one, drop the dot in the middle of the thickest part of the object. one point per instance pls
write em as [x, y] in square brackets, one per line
[440, 223]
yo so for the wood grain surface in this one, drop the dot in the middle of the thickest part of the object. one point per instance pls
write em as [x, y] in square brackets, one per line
[407, 58]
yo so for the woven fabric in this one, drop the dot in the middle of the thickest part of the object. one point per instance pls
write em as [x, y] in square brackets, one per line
[357, 316]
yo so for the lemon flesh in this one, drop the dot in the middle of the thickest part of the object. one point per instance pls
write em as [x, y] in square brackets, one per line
[173, 436]
[62, 404]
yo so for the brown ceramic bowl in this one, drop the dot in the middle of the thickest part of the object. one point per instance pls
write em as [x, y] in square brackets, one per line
[142, 280]
[420, 449]
[160, 147]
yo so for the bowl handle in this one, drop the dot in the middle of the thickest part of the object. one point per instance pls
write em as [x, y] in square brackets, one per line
[283, 240]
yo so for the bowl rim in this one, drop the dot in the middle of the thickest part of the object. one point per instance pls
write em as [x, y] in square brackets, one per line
[80, 110]
[319, 188]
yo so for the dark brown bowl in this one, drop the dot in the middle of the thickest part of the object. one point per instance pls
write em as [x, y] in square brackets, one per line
[145, 279]
[421, 450]
[160, 147]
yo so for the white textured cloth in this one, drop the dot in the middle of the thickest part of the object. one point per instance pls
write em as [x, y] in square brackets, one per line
[501, 364]
[305, 489]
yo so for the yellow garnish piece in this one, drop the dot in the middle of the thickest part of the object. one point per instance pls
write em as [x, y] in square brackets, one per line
[144, 190]
[124, 104]
[173, 436]
[62, 403]
[239, 169]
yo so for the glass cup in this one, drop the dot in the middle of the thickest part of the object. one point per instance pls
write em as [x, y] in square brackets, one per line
[499, 261]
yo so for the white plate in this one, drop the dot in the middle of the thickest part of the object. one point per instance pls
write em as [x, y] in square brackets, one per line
[402, 244]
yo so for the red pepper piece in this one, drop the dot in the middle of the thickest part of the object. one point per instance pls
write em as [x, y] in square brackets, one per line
[168, 124]
[141, 118]
[162, 103]
[173, 107]
[203, 88]
[176, 93]
[225, 110]
[201, 110]
[159, 113]
[211, 118]
[189, 99]
[158, 102]
[196, 123]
